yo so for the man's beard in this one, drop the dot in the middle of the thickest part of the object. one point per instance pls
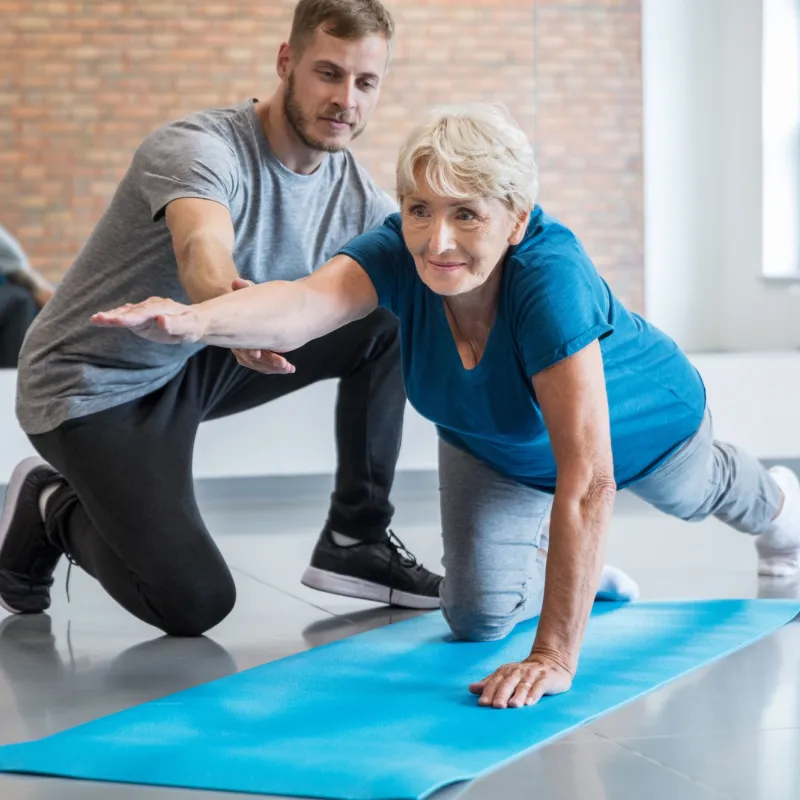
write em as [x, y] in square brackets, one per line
[301, 125]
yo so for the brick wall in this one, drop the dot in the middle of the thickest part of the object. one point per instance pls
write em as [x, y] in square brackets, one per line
[83, 82]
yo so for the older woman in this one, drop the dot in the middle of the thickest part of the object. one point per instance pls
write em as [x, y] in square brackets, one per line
[547, 393]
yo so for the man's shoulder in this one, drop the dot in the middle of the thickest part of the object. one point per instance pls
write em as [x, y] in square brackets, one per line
[358, 178]
[210, 127]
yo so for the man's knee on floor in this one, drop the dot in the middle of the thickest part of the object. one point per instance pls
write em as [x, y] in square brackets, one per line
[192, 610]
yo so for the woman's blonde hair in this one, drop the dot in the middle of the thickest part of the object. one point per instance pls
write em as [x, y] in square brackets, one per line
[474, 150]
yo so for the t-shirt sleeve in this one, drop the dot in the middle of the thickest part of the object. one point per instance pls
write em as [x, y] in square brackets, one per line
[176, 162]
[380, 204]
[383, 207]
[561, 305]
[384, 256]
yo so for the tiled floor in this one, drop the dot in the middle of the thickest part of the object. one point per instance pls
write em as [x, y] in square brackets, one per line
[731, 730]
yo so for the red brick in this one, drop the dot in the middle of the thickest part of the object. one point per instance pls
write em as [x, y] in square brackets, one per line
[88, 80]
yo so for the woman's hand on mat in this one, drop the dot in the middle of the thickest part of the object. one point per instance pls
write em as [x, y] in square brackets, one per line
[260, 360]
[156, 319]
[524, 683]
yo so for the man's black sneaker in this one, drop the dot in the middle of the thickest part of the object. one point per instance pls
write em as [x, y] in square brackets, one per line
[383, 571]
[27, 558]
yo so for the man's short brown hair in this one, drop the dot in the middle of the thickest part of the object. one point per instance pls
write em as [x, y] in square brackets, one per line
[344, 19]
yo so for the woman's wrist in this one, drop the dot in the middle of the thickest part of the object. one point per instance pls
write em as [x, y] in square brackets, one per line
[205, 321]
[563, 654]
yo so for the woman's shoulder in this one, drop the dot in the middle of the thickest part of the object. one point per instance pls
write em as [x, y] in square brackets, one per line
[555, 299]
[379, 242]
[394, 224]
[550, 265]
[547, 242]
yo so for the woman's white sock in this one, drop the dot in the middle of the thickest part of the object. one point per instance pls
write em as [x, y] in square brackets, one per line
[779, 546]
[616, 585]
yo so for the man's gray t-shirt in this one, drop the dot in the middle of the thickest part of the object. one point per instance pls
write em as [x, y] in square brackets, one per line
[286, 225]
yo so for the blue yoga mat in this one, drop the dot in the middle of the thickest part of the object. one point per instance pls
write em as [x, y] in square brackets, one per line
[387, 714]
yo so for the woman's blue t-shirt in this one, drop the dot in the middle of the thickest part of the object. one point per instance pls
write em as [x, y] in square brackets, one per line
[552, 303]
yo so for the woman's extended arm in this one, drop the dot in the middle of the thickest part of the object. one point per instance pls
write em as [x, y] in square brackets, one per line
[278, 315]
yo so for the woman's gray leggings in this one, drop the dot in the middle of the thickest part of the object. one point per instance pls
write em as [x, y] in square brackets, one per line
[491, 525]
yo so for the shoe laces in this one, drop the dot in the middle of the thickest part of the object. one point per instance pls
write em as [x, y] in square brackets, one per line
[405, 556]
[72, 563]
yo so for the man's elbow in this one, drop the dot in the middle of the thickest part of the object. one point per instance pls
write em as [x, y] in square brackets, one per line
[196, 242]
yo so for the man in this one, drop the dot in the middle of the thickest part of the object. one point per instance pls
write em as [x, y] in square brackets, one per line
[262, 191]
[23, 293]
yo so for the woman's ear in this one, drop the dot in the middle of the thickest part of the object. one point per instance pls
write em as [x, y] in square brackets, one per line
[520, 226]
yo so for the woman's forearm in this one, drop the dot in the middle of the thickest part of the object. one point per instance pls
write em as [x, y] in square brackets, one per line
[578, 529]
[279, 316]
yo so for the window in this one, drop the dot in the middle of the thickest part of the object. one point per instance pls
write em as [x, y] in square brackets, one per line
[780, 116]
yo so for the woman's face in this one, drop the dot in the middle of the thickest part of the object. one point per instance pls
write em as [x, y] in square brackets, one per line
[457, 244]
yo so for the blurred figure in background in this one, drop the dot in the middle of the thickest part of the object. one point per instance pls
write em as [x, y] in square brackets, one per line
[23, 293]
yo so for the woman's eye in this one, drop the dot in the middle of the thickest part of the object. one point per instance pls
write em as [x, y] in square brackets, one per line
[417, 211]
[465, 215]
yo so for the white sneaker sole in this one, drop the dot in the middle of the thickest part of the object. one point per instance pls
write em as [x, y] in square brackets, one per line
[18, 476]
[347, 586]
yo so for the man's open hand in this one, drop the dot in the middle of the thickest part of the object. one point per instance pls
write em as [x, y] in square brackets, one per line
[264, 361]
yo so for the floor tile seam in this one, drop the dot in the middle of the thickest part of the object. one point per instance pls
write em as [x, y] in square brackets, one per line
[656, 762]
[726, 732]
[302, 600]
